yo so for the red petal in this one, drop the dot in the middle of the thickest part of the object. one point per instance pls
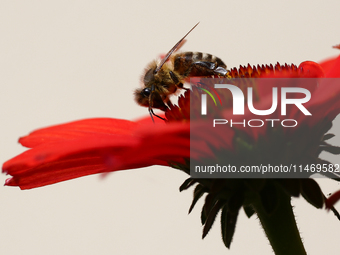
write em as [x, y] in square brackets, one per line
[93, 146]
[56, 171]
[331, 67]
[78, 129]
[311, 69]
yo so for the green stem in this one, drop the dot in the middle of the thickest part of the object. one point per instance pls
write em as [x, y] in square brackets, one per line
[280, 227]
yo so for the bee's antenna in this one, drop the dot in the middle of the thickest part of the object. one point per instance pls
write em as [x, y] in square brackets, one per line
[172, 50]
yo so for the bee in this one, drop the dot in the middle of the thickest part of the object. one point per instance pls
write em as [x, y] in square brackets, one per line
[164, 79]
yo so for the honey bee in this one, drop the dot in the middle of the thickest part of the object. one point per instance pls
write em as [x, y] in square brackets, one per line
[164, 79]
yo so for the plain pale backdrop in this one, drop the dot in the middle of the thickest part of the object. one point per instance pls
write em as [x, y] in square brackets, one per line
[68, 60]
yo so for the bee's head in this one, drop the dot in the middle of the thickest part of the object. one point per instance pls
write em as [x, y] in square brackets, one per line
[148, 98]
[158, 83]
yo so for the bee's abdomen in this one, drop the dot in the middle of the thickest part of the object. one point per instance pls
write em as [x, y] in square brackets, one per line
[206, 57]
[185, 61]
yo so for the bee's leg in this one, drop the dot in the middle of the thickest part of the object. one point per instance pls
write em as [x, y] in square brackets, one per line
[210, 67]
[150, 105]
[153, 114]
[174, 78]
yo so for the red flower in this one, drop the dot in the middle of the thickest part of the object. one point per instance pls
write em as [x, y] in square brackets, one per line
[92, 146]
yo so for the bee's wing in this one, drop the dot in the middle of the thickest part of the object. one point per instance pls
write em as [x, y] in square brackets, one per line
[178, 45]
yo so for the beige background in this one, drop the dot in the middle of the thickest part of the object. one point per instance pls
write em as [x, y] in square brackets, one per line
[68, 60]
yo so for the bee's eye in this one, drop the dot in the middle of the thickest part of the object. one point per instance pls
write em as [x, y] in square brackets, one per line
[146, 92]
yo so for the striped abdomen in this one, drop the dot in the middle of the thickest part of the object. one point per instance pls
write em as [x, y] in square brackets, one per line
[197, 64]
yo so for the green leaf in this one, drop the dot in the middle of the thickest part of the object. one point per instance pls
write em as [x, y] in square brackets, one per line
[311, 191]
[327, 137]
[209, 203]
[186, 184]
[248, 210]
[203, 216]
[212, 216]
[198, 192]
[332, 149]
[228, 224]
